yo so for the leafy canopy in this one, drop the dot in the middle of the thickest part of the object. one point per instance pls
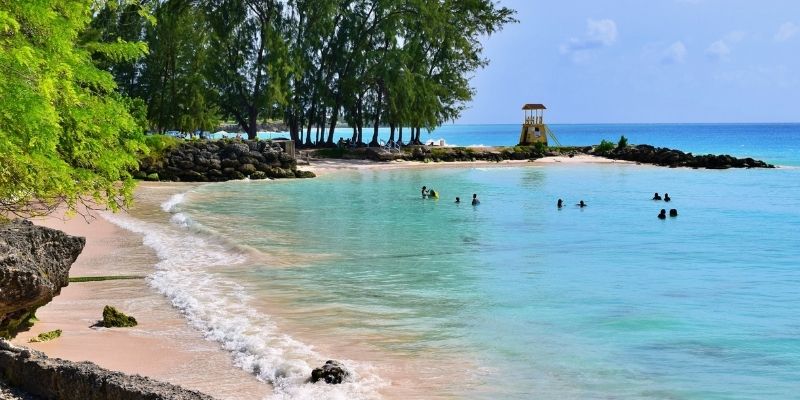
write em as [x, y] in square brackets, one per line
[66, 135]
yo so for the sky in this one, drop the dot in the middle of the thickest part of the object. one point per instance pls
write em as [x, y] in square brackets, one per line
[649, 61]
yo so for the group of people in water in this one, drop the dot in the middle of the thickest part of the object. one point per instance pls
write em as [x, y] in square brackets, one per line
[663, 214]
[580, 204]
[433, 194]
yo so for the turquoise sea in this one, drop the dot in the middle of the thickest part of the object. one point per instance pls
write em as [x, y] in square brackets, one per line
[514, 298]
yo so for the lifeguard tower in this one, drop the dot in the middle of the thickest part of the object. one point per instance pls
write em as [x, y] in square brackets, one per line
[533, 128]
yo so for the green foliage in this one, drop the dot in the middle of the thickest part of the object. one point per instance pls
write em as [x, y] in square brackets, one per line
[623, 142]
[153, 177]
[46, 336]
[16, 323]
[66, 136]
[604, 146]
[113, 318]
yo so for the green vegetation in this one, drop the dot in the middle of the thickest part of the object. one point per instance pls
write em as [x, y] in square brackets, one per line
[46, 336]
[66, 135]
[623, 142]
[79, 279]
[604, 146]
[310, 63]
[112, 318]
[17, 322]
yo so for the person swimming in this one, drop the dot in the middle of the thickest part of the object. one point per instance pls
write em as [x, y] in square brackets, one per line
[458, 200]
[433, 194]
[560, 203]
[656, 196]
[581, 204]
[475, 200]
[666, 197]
[662, 214]
[673, 212]
[424, 192]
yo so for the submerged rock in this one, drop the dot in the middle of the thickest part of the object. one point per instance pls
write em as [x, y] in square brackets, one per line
[332, 373]
[113, 318]
[34, 266]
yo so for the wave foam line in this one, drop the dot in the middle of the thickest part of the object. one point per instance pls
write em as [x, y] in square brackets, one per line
[219, 308]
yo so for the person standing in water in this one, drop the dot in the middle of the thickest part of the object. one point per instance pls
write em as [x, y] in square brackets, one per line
[581, 204]
[662, 214]
[560, 203]
[475, 200]
[666, 197]
[458, 200]
[424, 192]
[656, 196]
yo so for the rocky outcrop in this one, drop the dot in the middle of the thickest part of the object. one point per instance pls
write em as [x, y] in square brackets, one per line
[53, 378]
[223, 160]
[113, 318]
[332, 373]
[441, 154]
[34, 266]
[662, 156]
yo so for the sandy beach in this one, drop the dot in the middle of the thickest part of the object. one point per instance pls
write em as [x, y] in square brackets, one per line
[163, 346]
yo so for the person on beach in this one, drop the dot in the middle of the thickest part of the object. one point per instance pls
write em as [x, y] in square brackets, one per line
[458, 200]
[673, 212]
[424, 192]
[656, 196]
[666, 197]
[560, 203]
[475, 200]
[662, 214]
[581, 204]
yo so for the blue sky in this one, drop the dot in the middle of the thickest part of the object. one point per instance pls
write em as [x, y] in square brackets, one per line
[644, 61]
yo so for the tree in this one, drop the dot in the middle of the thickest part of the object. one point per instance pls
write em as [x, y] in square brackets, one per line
[66, 136]
[251, 58]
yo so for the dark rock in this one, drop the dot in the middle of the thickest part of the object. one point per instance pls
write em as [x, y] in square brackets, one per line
[304, 174]
[647, 154]
[53, 378]
[247, 169]
[332, 373]
[34, 266]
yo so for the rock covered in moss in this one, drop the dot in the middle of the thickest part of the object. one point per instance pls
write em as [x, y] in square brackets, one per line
[47, 336]
[34, 266]
[113, 318]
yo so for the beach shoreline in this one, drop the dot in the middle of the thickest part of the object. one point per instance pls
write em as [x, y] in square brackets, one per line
[163, 346]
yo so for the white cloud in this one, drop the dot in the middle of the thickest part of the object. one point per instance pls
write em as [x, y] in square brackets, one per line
[599, 34]
[722, 48]
[718, 50]
[674, 53]
[786, 31]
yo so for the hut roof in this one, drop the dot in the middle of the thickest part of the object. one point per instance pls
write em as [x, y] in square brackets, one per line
[534, 107]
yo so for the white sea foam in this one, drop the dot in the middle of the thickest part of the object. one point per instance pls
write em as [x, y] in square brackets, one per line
[220, 308]
[172, 203]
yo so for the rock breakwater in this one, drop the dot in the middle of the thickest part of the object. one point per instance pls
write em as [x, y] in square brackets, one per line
[215, 161]
[666, 157]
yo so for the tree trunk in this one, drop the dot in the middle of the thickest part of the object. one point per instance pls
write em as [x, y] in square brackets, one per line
[378, 104]
[252, 128]
[391, 133]
[400, 136]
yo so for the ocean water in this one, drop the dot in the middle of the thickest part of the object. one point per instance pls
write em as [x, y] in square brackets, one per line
[513, 298]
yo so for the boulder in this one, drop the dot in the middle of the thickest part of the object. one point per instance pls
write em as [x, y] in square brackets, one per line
[34, 266]
[331, 373]
[113, 318]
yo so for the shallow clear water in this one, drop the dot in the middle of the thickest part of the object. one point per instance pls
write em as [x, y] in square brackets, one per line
[512, 298]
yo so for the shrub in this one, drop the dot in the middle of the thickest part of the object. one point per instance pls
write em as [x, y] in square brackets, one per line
[623, 142]
[604, 147]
